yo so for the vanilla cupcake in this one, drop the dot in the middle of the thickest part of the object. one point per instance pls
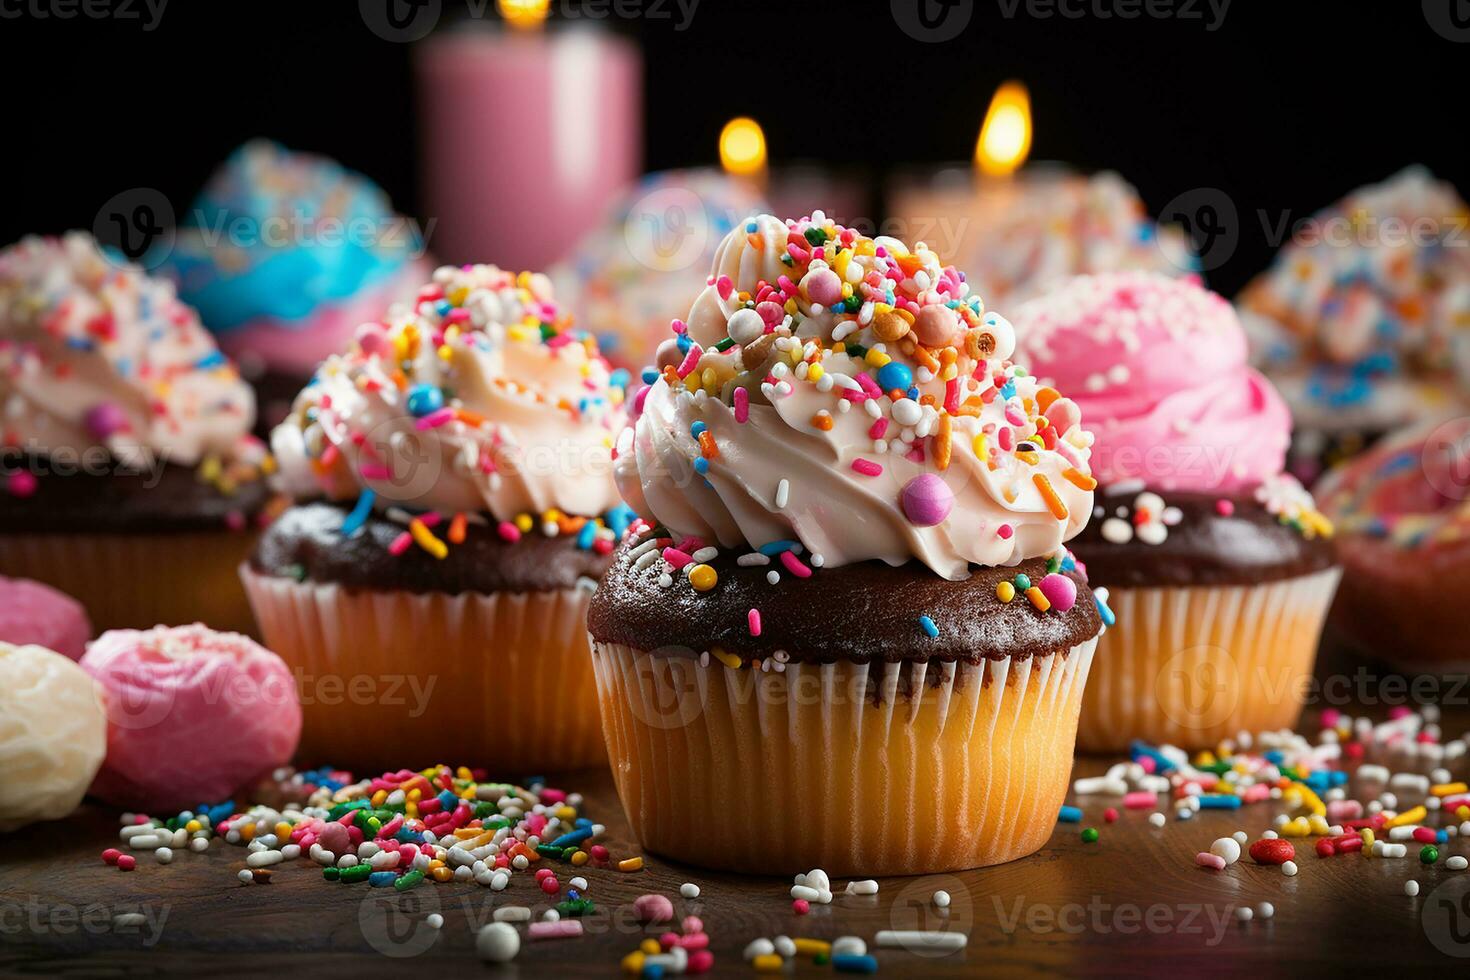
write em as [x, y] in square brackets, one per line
[455, 505]
[128, 478]
[849, 590]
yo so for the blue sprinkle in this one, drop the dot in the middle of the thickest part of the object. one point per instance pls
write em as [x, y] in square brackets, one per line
[1275, 757]
[649, 375]
[382, 879]
[853, 963]
[697, 428]
[407, 836]
[1103, 611]
[1138, 750]
[212, 360]
[701, 466]
[443, 307]
[620, 378]
[1219, 801]
[359, 515]
[448, 801]
[79, 343]
[774, 548]
[1069, 814]
[424, 400]
[1008, 390]
[927, 625]
[586, 536]
[684, 343]
[619, 518]
[572, 837]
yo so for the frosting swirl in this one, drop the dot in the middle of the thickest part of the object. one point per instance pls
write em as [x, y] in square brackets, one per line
[479, 397]
[94, 353]
[1158, 367]
[854, 395]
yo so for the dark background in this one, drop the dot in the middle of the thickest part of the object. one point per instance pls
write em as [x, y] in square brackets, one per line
[1284, 107]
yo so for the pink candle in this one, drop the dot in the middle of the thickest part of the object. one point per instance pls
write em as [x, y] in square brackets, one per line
[526, 136]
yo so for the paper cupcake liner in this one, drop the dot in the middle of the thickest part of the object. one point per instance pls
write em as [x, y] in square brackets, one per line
[840, 766]
[394, 679]
[1193, 666]
[138, 581]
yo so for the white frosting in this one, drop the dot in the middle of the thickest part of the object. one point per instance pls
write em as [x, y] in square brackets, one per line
[531, 419]
[999, 516]
[95, 353]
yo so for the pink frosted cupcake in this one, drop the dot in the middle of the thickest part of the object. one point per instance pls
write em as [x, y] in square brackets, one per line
[32, 613]
[1219, 567]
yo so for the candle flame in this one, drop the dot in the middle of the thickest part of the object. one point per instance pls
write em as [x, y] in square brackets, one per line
[524, 14]
[743, 147]
[1005, 136]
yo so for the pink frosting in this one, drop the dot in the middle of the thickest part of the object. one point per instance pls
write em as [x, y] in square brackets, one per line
[32, 613]
[192, 715]
[1158, 367]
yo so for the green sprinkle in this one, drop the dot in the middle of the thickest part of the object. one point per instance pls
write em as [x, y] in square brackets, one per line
[1023, 582]
[332, 874]
[1429, 854]
[1089, 836]
[409, 881]
[725, 344]
[816, 236]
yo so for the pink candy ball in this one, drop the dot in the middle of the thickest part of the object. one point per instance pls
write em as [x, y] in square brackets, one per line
[105, 419]
[937, 326]
[373, 339]
[192, 715]
[823, 286]
[653, 909]
[32, 613]
[1060, 591]
[926, 500]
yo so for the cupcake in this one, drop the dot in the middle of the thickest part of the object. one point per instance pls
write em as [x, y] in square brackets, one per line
[1402, 510]
[455, 505]
[130, 480]
[849, 571]
[283, 254]
[1218, 565]
[32, 614]
[644, 265]
[1360, 319]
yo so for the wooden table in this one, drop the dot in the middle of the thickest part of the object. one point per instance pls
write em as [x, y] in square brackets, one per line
[1132, 903]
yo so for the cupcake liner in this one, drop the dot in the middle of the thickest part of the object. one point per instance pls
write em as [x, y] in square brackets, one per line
[841, 766]
[499, 680]
[138, 581]
[1192, 666]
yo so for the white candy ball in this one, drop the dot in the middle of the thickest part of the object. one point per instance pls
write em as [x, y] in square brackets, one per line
[498, 942]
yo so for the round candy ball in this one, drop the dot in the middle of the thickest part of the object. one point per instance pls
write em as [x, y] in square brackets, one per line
[192, 715]
[1060, 591]
[895, 375]
[53, 734]
[745, 326]
[937, 326]
[926, 500]
[823, 286]
[497, 942]
[32, 613]
[105, 419]
[424, 400]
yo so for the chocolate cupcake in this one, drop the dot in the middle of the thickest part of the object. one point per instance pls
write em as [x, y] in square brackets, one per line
[1218, 565]
[850, 571]
[130, 480]
[455, 507]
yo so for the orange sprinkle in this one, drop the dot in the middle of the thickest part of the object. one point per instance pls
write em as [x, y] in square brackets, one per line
[457, 528]
[1079, 479]
[927, 359]
[707, 445]
[1053, 502]
[943, 441]
[1038, 599]
[1045, 396]
[469, 418]
[1028, 457]
[757, 241]
[822, 421]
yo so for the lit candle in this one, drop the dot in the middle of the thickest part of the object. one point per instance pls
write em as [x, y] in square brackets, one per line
[527, 135]
[1017, 229]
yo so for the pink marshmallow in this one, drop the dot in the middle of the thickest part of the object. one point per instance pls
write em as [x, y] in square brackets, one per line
[36, 614]
[192, 715]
